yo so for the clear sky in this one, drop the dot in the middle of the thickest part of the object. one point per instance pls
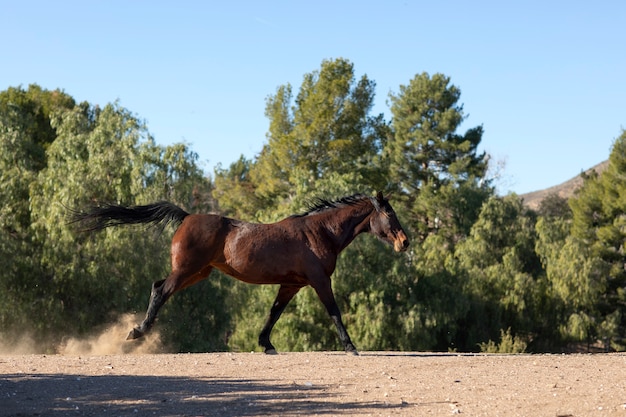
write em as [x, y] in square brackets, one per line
[546, 79]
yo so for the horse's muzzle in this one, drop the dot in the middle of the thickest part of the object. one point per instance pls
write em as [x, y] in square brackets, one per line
[401, 243]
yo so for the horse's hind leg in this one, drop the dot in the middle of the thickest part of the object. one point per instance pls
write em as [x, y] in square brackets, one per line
[157, 299]
[161, 291]
[285, 294]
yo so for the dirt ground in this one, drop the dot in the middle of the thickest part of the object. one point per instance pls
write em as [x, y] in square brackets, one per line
[313, 384]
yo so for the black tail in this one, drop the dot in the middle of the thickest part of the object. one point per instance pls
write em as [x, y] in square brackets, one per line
[100, 217]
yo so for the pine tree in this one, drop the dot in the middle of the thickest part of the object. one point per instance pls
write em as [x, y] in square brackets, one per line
[599, 219]
[438, 170]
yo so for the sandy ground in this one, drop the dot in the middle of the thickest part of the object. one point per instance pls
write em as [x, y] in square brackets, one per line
[321, 383]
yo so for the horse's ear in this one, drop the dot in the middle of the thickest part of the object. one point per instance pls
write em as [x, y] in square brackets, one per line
[380, 198]
[376, 201]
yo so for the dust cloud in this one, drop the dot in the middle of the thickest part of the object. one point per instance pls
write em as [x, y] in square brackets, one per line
[110, 341]
[23, 344]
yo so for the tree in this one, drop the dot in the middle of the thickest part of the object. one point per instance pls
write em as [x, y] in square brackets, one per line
[235, 191]
[575, 281]
[439, 187]
[499, 266]
[554, 206]
[326, 131]
[599, 220]
[60, 156]
[439, 171]
[25, 135]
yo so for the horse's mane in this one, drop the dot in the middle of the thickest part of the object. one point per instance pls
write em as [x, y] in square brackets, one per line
[320, 204]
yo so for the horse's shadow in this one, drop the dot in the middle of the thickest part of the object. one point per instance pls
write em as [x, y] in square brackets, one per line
[126, 395]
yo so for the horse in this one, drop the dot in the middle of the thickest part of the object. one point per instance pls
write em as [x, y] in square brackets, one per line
[298, 251]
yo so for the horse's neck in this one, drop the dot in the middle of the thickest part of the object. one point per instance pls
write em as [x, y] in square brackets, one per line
[347, 223]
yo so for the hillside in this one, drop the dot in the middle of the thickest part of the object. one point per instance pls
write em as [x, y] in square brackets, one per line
[564, 190]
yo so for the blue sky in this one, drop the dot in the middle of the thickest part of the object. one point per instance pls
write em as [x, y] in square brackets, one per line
[546, 79]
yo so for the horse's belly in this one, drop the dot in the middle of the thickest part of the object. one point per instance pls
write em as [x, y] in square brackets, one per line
[256, 276]
[258, 268]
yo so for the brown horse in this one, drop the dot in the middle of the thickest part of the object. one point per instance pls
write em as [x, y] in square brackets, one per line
[298, 251]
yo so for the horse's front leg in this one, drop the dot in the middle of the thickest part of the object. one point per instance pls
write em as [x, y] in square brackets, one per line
[325, 292]
[285, 294]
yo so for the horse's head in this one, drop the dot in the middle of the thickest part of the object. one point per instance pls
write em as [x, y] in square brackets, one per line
[385, 224]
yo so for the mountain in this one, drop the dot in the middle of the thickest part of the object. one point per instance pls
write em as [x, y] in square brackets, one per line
[533, 199]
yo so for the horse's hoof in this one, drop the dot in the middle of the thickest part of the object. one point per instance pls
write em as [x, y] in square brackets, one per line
[271, 352]
[352, 352]
[134, 334]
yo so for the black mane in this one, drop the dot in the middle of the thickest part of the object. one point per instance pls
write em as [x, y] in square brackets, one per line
[320, 204]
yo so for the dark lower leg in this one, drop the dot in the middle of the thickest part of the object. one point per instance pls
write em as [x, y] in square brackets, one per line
[285, 294]
[325, 294]
[343, 334]
[162, 290]
[157, 299]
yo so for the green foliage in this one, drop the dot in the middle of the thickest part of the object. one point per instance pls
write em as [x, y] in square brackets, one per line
[197, 320]
[89, 155]
[438, 171]
[554, 206]
[500, 270]
[508, 344]
[250, 306]
[25, 134]
[482, 272]
[426, 150]
[599, 223]
[235, 191]
[326, 130]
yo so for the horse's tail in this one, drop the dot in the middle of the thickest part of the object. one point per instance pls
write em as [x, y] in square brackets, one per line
[100, 217]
